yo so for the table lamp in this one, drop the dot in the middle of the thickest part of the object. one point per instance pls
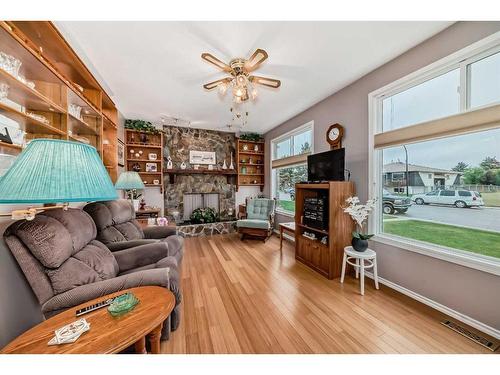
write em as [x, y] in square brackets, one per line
[55, 171]
[130, 182]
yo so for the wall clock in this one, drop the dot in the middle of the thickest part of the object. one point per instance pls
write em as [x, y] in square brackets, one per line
[334, 136]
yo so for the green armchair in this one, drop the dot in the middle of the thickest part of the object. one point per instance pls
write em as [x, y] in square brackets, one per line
[258, 220]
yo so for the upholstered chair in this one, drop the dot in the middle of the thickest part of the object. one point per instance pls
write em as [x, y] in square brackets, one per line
[65, 265]
[118, 229]
[258, 220]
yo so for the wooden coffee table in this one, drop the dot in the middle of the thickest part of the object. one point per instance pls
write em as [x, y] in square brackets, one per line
[107, 334]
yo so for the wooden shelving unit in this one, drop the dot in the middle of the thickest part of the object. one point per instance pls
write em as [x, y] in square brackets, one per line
[145, 143]
[250, 161]
[324, 258]
[61, 79]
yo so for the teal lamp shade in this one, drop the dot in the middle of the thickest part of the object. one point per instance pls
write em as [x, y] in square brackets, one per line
[55, 171]
[129, 181]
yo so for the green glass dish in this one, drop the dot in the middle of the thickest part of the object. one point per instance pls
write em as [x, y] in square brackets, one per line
[123, 304]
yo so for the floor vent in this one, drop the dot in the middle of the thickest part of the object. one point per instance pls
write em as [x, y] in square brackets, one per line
[484, 342]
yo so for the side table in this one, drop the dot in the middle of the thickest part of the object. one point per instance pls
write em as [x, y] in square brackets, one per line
[369, 256]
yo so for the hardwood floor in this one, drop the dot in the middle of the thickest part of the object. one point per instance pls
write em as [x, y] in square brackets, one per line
[242, 297]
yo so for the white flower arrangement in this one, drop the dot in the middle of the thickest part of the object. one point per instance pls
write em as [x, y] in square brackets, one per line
[359, 214]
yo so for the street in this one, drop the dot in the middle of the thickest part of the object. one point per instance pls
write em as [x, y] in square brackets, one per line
[481, 218]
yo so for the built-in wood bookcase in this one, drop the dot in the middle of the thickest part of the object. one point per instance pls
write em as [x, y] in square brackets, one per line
[145, 150]
[61, 79]
[324, 258]
[250, 163]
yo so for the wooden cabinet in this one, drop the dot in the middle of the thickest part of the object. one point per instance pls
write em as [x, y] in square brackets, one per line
[324, 258]
[250, 163]
[55, 79]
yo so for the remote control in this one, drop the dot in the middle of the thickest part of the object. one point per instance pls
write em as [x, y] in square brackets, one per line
[97, 306]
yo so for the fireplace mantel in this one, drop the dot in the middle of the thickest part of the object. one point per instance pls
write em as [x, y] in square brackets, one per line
[223, 172]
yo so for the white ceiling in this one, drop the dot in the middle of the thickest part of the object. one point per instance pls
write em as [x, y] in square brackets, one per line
[154, 68]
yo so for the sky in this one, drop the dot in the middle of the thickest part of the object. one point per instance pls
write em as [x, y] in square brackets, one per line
[437, 98]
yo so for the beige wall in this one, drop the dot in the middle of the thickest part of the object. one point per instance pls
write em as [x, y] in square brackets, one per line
[465, 290]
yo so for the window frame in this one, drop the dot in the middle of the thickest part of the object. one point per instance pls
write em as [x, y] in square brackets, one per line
[460, 59]
[290, 134]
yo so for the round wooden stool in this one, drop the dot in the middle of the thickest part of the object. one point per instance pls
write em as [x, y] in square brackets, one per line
[369, 256]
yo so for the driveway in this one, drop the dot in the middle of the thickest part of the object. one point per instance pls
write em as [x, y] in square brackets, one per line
[481, 218]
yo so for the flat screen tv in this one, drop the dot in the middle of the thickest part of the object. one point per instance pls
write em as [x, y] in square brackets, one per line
[326, 166]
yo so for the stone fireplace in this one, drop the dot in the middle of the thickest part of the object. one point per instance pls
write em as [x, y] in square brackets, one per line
[192, 190]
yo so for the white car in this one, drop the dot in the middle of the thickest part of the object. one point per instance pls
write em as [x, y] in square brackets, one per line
[457, 198]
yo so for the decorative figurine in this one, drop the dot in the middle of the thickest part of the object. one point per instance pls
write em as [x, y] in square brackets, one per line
[136, 167]
[169, 163]
[224, 166]
[256, 148]
[183, 165]
[245, 147]
[142, 204]
[231, 166]
[162, 221]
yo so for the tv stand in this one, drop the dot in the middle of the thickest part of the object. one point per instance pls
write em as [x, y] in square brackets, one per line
[325, 259]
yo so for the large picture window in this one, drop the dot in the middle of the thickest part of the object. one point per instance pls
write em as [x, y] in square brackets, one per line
[435, 150]
[289, 165]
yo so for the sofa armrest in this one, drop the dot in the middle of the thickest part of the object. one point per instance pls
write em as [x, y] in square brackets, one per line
[158, 232]
[122, 245]
[140, 256]
[84, 293]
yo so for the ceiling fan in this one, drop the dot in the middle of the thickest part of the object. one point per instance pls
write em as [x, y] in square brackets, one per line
[240, 79]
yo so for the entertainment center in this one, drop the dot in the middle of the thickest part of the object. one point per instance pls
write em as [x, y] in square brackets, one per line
[325, 258]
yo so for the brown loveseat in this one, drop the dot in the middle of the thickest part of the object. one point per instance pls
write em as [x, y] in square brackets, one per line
[65, 265]
[118, 229]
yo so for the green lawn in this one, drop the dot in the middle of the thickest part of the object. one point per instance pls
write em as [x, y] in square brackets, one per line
[473, 240]
[287, 205]
[491, 199]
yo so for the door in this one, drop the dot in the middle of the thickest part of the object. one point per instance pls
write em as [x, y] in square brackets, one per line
[431, 197]
[446, 197]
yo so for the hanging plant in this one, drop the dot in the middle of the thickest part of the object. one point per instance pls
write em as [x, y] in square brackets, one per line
[141, 125]
[254, 137]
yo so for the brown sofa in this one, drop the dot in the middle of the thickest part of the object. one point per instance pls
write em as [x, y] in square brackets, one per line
[65, 265]
[118, 229]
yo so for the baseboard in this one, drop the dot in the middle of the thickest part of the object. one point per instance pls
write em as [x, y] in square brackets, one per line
[493, 332]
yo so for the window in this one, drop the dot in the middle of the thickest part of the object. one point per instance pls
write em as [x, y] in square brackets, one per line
[289, 165]
[485, 81]
[444, 123]
[435, 98]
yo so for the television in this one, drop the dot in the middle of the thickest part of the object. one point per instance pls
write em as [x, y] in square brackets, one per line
[326, 166]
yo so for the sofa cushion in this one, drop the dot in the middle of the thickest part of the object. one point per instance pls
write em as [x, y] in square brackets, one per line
[253, 223]
[91, 264]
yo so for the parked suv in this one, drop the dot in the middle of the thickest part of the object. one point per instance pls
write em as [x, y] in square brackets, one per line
[394, 203]
[458, 198]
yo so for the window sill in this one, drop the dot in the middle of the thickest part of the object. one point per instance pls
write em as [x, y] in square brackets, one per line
[285, 213]
[470, 260]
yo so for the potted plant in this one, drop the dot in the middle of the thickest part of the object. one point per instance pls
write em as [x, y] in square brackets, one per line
[203, 215]
[359, 213]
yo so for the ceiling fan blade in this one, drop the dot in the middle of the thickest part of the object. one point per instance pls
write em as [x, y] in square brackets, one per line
[215, 61]
[269, 82]
[258, 57]
[214, 84]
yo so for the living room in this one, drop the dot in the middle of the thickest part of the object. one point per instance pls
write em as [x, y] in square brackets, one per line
[245, 187]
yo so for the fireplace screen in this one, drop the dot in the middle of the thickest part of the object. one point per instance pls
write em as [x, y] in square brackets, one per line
[192, 201]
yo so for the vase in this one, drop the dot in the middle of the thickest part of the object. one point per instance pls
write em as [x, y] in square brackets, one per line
[359, 244]
[136, 202]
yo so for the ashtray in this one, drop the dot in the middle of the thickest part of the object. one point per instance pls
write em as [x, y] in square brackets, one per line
[123, 304]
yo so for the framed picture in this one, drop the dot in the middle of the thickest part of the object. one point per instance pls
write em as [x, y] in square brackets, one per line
[202, 157]
[151, 167]
[121, 153]
[152, 156]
